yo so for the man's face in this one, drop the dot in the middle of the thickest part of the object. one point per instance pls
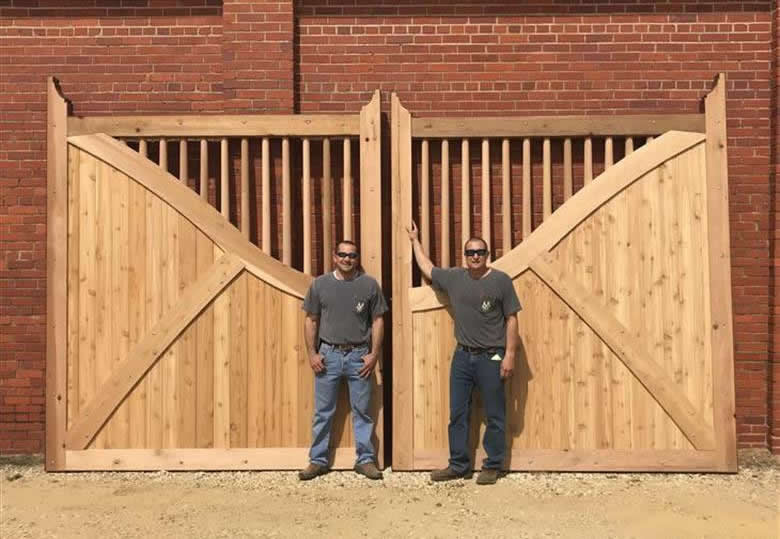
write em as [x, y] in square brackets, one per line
[346, 257]
[476, 254]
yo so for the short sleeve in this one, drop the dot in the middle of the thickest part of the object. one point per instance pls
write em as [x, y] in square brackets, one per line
[441, 278]
[510, 302]
[379, 305]
[311, 303]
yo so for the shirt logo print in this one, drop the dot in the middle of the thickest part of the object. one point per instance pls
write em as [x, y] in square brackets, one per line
[359, 306]
[487, 305]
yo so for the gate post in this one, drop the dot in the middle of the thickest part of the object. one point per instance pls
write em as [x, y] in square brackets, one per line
[56, 273]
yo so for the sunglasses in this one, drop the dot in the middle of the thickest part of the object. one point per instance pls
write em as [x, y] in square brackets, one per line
[342, 254]
[476, 252]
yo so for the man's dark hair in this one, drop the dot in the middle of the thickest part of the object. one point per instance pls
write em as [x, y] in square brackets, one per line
[476, 238]
[346, 242]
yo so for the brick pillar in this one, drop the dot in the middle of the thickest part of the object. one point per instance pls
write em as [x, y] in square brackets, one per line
[774, 344]
[258, 56]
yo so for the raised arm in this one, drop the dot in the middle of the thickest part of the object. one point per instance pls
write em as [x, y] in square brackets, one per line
[425, 264]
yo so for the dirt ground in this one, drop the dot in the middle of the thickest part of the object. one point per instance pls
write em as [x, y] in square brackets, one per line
[341, 504]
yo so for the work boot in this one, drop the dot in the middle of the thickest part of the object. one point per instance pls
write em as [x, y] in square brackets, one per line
[311, 471]
[368, 469]
[488, 476]
[448, 474]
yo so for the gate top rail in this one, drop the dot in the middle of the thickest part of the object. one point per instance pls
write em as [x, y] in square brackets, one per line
[556, 126]
[202, 125]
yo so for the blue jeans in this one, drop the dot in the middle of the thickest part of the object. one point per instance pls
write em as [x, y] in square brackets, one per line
[341, 364]
[466, 371]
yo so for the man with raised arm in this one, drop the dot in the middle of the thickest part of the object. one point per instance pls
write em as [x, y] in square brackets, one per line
[485, 308]
[343, 331]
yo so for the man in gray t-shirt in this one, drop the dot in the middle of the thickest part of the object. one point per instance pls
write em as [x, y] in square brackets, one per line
[343, 331]
[485, 308]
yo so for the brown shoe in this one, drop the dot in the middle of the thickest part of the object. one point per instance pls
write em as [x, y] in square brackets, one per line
[311, 471]
[488, 476]
[368, 469]
[448, 474]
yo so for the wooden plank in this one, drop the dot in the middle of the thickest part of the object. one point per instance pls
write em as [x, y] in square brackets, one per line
[257, 370]
[629, 350]
[163, 154]
[239, 358]
[223, 125]
[73, 294]
[550, 232]
[327, 207]
[425, 196]
[567, 170]
[720, 306]
[445, 203]
[56, 274]
[556, 126]
[154, 311]
[588, 158]
[506, 198]
[266, 192]
[371, 188]
[609, 160]
[347, 189]
[286, 204]
[465, 192]
[169, 361]
[266, 458]
[586, 460]
[224, 179]
[546, 180]
[403, 373]
[527, 211]
[486, 191]
[221, 374]
[204, 405]
[144, 355]
[245, 187]
[102, 319]
[629, 145]
[183, 164]
[201, 215]
[187, 345]
[143, 148]
[307, 208]
[204, 170]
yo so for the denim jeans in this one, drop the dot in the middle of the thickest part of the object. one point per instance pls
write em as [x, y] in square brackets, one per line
[341, 364]
[469, 370]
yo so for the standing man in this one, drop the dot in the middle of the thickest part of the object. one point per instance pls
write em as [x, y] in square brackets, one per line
[485, 307]
[343, 331]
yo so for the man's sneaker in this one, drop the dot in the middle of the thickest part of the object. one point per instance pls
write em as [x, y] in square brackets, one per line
[448, 474]
[488, 476]
[368, 469]
[311, 471]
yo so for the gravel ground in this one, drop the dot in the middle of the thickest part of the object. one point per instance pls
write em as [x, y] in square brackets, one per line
[275, 504]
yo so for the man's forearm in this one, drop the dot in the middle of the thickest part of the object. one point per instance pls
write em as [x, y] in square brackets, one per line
[310, 327]
[425, 264]
[511, 335]
[377, 335]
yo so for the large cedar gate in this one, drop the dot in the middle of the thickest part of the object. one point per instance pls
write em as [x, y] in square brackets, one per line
[625, 359]
[175, 342]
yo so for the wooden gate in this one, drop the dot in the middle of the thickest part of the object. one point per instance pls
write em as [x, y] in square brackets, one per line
[174, 342]
[626, 356]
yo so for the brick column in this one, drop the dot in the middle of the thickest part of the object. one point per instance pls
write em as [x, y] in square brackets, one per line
[258, 56]
[774, 355]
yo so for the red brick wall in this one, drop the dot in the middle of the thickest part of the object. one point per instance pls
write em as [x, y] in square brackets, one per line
[572, 57]
[534, 57]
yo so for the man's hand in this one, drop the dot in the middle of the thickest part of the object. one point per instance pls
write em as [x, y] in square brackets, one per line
[315, 360]
[369, 362]
[507, 366]
[414, 234]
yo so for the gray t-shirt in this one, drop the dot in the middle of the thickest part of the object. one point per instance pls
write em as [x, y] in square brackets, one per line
[346, 308]
[480, 305]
